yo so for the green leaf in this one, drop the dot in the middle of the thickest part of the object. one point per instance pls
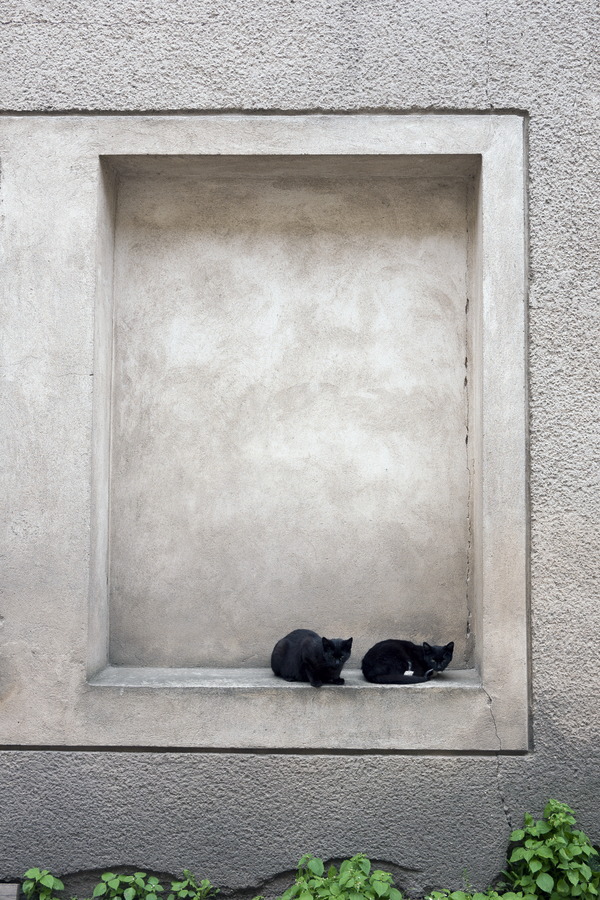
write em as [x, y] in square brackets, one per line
[535, 865]
[395, 894]
[363, 864]
[380, 888]
[545, 882]
[335, 889]
[305, 895]
[517, 835]
[316, 866]
[380, 875]
[114, 884]
[32, 873]
[108, 876]
[586, 871]
[47, 881]
[129, 893]
[99, 890]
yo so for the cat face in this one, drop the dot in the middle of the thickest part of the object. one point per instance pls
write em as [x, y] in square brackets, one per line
[336, 651]
[437, 658]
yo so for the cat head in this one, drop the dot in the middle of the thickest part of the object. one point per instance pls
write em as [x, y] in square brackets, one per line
[437, 658]
[336, 651]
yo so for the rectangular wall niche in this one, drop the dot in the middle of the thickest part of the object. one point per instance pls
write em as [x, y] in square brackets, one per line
[290, 404]
[310, 412]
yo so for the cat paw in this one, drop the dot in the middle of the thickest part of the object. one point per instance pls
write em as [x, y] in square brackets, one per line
[338, 681]
[316, 684]
[429, 673]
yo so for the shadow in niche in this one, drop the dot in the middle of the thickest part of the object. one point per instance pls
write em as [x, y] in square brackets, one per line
[80, 884]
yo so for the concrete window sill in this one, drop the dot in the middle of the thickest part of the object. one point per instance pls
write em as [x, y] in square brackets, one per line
[259, 679]
[251, 708]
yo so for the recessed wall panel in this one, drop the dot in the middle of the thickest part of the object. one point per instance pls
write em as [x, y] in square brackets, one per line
[289, 410]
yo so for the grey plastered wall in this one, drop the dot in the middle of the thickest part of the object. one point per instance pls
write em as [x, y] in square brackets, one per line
[241, 818]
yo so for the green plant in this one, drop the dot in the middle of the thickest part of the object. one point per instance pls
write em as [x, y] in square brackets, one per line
[354, 881]
[553, 860]
[188, 888]
[138, 886]
[489, 894]
[40, 884]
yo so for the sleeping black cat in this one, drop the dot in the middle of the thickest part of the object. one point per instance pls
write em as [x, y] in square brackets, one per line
[304, 656]
[402, 662]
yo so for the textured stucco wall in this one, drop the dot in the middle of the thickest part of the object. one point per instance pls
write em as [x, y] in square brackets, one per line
[240, 819]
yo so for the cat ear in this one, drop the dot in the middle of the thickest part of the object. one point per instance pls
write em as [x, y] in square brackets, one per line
[450, 646]
[326, 643]
[348, 643]
[426, 646]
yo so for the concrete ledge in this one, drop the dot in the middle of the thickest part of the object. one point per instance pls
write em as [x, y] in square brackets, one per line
[251, 709]
[9, 891]
[261, 679]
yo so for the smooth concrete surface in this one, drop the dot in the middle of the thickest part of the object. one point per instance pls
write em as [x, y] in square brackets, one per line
[195, 512]
[243, 819]
[245, 708]
[9, 891]
[289, 412]
[258, 679]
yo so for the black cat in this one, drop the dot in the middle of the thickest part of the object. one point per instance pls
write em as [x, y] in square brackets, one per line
[304, 656]
[402, 662]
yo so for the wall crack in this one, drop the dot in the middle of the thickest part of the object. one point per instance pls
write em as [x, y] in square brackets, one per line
[499, 788]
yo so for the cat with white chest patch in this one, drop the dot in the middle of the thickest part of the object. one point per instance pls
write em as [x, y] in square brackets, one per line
[402, 662]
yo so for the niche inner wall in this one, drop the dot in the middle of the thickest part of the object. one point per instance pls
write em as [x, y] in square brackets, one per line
[289, 413]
